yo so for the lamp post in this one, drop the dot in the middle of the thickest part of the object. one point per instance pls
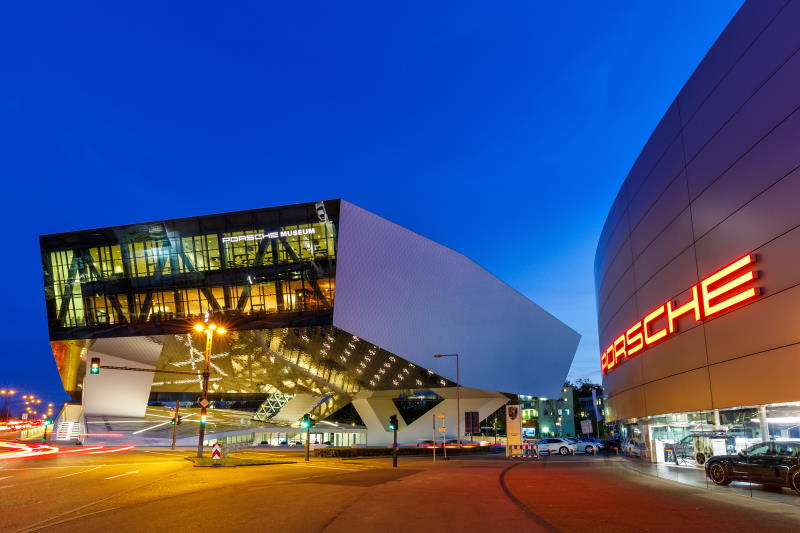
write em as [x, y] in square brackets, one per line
[5, 393]
[458, 395]
[210, 330]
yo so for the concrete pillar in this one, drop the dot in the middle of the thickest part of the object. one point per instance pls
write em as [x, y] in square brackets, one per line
[762, 419]
[717, 423]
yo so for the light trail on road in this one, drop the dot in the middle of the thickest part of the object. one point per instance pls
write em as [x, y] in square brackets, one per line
[24, 450]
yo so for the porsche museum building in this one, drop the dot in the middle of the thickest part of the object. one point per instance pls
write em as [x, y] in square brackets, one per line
[696, 270]
[330, 310]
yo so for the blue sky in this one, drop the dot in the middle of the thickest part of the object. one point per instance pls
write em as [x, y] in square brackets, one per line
[500, 129]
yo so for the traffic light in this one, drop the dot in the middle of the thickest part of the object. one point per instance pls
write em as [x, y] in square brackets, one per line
[94, 366]
[393, 423]
[203, 419]
[306, 422]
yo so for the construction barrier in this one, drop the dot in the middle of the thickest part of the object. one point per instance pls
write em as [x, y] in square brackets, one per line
[523, 451]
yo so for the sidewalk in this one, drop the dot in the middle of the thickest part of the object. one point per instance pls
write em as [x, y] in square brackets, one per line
[696, 477]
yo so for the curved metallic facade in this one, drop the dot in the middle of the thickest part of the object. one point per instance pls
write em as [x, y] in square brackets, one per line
[718, 180]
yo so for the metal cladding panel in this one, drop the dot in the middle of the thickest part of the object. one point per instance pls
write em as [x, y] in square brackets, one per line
[734, 192]
[414, 297]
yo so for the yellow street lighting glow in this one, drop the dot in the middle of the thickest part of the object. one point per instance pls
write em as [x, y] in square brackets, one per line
[199, 327]
[221, 330]
[212, 326]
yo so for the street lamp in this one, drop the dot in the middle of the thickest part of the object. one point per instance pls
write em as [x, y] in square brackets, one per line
[5, 393]
[458, 395]
[210, 330]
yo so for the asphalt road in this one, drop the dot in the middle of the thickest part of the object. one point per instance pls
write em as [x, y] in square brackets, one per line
[157, 490]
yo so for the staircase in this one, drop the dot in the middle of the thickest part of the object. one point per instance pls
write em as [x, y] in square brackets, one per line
[68, 431]
[69, 423]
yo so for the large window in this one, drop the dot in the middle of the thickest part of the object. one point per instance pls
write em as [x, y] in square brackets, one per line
[268, 262]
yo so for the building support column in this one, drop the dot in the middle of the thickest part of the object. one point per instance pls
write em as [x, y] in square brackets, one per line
[717, 423]
[762, 419]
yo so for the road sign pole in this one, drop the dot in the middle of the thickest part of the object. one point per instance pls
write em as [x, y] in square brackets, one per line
[175, 424]
[433, 440]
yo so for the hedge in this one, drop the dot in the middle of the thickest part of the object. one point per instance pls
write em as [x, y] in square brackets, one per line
[386, 452]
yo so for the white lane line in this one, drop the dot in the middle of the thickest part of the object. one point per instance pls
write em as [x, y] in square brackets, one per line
[6, 486]
[125, 474]
[329, 467]
[76, 473]
[5, 477]
[173, 454]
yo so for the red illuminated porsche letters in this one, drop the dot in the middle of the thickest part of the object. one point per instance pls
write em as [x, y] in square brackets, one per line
[712, 295]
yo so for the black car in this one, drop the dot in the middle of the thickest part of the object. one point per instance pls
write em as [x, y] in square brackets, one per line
[768, 463]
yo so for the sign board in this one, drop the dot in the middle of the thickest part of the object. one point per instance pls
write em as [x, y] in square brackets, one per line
[586, 427]
[24, 416]
[203, 403]
[471, 422]
[216, 451]
[442, 429]
[709, 297]
[513, 426]
[440, 416]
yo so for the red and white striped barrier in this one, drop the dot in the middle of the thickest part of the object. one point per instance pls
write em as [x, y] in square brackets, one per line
[525, 451]
[216, 451]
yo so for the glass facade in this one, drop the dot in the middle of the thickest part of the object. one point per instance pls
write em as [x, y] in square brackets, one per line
[263, 268]
[690, 438]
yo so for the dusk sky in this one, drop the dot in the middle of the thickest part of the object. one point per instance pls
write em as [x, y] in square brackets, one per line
[500, 129]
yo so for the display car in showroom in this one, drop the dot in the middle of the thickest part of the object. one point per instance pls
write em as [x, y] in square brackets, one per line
[766, 463]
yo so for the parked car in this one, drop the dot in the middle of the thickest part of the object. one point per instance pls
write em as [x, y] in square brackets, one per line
[555, 445]
[588, 445]
[632, 448]
[769, 463]
[697, 445]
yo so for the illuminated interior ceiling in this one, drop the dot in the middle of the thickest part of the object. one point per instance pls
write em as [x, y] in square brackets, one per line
[321, 360]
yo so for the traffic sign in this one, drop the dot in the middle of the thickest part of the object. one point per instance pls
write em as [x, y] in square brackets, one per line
[442, 429]
[204, 403]
[216, 451]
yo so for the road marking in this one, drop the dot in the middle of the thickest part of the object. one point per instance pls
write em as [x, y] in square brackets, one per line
[4, 477]
[330, 467]
[173, 454]
[76, 473]
[35, 528]
[125, 474]
[6, 486]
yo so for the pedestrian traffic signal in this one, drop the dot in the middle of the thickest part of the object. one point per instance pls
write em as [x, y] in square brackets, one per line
[393, 423]
[94, 366]
[306, 422]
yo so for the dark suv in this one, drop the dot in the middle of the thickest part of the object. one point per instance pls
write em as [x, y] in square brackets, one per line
[768, 463]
